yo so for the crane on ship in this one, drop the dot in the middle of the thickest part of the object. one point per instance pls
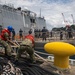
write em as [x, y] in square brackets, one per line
[64, 19]
[68, 27]
[72, 18]
[66, 22]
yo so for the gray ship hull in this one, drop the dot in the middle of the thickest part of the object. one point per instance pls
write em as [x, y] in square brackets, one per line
[20, 19]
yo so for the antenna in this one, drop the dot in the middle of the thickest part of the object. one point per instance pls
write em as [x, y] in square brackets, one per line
[0, 1]
[40, 12]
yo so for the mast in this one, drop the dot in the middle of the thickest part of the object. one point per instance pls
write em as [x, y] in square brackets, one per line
[24, 21]
[40, 12]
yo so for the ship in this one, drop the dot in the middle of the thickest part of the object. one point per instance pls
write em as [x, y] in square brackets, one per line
[20, 19]
[42, 66]
[26, 20]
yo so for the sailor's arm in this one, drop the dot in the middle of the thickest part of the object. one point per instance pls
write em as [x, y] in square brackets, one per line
[6, 35]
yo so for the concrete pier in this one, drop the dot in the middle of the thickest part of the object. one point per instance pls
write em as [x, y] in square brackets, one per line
[39, 44]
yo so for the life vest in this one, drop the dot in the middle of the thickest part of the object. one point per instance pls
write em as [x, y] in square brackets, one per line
[31, 37]
[3, 32]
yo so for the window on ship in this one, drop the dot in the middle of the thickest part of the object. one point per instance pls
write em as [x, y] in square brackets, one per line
[32, 20]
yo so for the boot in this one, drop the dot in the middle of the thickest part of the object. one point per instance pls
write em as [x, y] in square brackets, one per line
[16, 62]
[8, 57]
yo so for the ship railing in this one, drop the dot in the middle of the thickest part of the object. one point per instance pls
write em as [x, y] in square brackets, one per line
[71, 61]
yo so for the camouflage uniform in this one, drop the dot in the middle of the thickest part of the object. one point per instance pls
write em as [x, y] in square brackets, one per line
[6, 45]
[26, 45]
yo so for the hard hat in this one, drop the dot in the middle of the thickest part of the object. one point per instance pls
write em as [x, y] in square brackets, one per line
[10, 28]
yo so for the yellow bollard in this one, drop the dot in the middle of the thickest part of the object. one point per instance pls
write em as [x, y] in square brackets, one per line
[61, 51]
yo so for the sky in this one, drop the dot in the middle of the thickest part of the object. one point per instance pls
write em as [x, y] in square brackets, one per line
[51, 10]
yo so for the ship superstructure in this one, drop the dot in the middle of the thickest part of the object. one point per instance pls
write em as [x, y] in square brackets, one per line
[18, 18]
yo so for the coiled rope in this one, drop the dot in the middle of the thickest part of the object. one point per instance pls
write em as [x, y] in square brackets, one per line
[33, 69]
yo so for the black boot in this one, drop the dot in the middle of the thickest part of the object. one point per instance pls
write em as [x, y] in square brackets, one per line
[8, 57]
[16, 62]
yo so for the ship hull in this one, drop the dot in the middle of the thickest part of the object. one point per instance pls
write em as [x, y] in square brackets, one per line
[20, 19]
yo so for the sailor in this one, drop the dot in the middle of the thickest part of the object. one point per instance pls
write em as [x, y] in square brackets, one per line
[1, 28]
[61, 35]
[21, 34]
[4, 39]
[44, 33]
[28, 46]
[13, 34]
